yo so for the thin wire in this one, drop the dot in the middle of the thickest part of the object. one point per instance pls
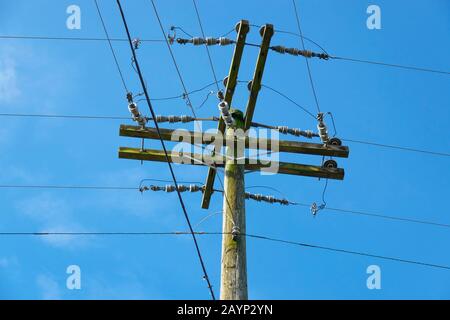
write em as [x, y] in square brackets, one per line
[188, 99]
[444, 154]
[180, 198]
[24, 115]
[218, 89]
[184, 94]
[218, 177]
[306, 59]
[357, 60]
[207, 217]
[206, 46]
[349, 252]
[111, 47]
[182, 30]
[414, 68]
[74, 38]
[390, 217]
[122, 188]
[297, 35]
[16, 186]
[392, 65]
[259, 237]
[334, 124]
[377, 215]
[205, 100]
[29, 115]
[289, 99]
[228, 33]
[324, 203]
[185, 90]
[358, 141]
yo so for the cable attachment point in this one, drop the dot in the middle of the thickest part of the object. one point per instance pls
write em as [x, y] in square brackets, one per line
[330, 164]
[322, 127]
[136, 43]
[235, 232]
[225, 113]
[134, 110]
[315, 208]
[172, 35]
[220, 95]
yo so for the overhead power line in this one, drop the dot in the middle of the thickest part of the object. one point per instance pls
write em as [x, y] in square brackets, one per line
[211, 64]
[253, 236]
[144, 87]
[62, 116]
[91, 39]
[111, 47]
[377, 215]
[348, 59]
[306, 59]
[140, 188]
[392, 65]
[68, 187]
[92, 117]
[186, 93]
[365, 254]
[444, 154]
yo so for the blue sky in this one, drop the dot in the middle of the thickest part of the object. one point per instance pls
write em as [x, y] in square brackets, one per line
[369, 102]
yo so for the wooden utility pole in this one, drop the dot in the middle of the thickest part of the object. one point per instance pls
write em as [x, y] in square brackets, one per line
[233, 284]
[234, 257]
[242, 29]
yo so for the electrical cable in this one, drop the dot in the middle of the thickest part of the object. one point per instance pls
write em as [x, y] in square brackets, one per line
[205, 273]
[253, 236]
[306, 59]
[111, 47]
[206, 46]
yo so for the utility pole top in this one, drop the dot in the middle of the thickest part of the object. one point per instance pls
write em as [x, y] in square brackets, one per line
[232, 133]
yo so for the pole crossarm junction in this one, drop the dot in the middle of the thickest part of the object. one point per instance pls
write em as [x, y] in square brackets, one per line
[193, 137]
[219, 161]
[243, 27]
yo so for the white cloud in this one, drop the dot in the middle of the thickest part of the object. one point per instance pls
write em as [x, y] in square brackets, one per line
[9, 89]
[50, 289]
[8, 262]
[53, 215]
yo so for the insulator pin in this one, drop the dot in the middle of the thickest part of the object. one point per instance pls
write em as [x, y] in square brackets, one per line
[225, 113]
[137, 116]
[323, 131]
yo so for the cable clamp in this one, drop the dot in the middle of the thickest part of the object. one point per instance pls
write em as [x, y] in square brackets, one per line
[136, 43]
[235, 232]
[315, 208]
